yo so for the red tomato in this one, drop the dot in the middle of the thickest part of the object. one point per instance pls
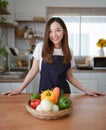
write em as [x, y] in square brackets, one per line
[34, 103]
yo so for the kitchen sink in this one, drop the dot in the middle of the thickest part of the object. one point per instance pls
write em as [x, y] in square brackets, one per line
[12, 74]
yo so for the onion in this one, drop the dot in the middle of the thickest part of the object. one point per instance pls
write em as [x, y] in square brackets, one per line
[55, 108]
[39, 108]
[46, 105]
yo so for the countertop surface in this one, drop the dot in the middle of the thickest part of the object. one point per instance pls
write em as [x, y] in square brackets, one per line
[74, 71]
[89, 113]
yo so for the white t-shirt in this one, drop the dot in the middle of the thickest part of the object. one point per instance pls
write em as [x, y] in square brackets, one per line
[37, 54]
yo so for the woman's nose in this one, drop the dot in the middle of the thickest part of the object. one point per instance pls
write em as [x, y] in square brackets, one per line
[53, 33]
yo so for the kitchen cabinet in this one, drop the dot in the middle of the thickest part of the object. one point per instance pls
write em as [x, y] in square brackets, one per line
[9, 86]
[91, 84]
[34, 85]
[93, 80]
[31, 88]
[16, 86]
[4, 87]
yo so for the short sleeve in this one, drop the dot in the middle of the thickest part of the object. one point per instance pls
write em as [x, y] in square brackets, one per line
[37, 51]
[73, 60]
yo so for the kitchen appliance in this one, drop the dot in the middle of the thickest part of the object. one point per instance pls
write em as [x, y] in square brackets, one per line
[99, 63]
[84, 67]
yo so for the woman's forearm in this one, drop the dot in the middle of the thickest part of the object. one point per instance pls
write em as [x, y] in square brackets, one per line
[77, 84]
[27, 80]
[31, 74]
[80, 86]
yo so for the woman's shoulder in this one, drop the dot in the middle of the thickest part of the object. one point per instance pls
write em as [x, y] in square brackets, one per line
[38, 49]
[39, 45]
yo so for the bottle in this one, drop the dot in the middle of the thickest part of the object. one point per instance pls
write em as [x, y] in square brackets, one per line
[30, 33]
[26, 32]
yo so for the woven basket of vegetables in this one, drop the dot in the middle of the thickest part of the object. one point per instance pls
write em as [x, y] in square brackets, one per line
[50, 104]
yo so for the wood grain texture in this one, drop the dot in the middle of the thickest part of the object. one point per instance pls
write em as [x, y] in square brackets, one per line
[89, 113]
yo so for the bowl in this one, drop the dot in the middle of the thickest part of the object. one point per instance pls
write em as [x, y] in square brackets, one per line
[49, 115]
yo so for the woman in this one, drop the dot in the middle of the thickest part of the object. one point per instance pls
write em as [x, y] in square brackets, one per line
[53, 59]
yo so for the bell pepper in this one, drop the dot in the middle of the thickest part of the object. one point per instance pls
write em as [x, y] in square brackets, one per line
[48, 94]
[64, 103]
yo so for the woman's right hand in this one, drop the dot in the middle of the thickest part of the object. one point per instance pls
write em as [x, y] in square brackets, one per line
[11, 92]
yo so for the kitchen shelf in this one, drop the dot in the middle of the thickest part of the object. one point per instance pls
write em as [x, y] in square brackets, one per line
[7, 25]
[30, 21]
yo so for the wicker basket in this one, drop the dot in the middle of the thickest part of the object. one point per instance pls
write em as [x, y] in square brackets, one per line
[49, 115]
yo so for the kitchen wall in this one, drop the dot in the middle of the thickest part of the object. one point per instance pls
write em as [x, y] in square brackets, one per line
[23, 9]
[29, 8]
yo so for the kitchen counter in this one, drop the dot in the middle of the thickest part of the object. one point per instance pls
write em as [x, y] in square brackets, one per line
[74, 71]
[10, 79]
[89, 113]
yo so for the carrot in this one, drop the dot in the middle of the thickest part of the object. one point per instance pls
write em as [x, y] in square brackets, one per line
[56, 91]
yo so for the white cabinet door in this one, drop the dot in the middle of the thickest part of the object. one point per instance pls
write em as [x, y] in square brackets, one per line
[4, 87]
[89, 80]
[91, 84]
[10, 86]
[34, 85]
[14, 86]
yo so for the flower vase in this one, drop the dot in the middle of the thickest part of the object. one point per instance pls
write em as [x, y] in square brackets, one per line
[101, 52]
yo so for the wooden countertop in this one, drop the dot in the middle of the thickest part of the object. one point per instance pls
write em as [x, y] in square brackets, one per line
[89, 113]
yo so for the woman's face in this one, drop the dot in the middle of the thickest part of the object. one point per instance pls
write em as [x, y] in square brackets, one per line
[56, 34]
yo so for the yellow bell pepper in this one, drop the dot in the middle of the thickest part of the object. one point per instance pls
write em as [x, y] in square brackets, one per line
[48, 94]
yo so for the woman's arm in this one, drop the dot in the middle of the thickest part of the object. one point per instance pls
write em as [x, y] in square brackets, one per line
[80, 86]
[31, 74]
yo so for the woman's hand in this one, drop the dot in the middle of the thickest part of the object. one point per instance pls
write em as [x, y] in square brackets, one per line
[94, 93]
[11, 92]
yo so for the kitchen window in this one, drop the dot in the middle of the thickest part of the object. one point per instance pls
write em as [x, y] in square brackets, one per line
[85, 28]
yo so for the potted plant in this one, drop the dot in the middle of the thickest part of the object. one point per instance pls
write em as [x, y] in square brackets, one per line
[3, 51]
[3, 57]
[101, 44]
[4, 3]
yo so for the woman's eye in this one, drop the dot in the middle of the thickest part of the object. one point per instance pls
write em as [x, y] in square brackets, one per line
[50, 31]
[58, 30]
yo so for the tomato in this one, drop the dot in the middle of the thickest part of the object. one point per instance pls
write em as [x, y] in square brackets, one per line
[34, 103]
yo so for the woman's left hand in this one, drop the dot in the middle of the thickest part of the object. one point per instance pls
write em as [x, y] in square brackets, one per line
[94, 93]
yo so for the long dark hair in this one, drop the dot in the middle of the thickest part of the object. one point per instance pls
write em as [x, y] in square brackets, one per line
[48, 46]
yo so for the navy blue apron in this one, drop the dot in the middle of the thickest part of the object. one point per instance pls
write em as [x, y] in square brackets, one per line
[54, 75]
